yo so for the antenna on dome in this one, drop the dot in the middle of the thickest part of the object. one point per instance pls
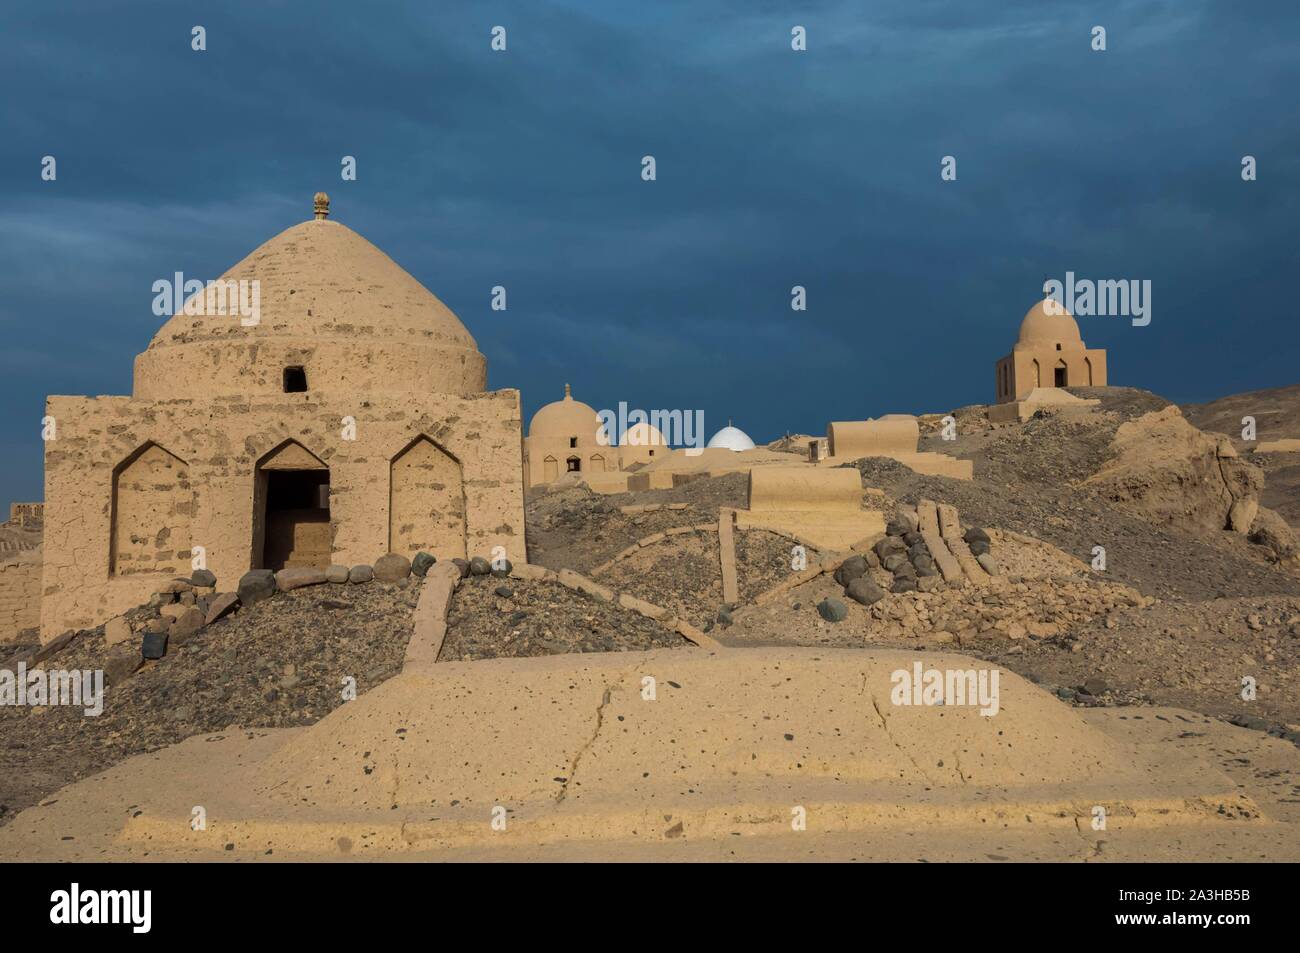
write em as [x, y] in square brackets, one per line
[566, 392]
[322, 204]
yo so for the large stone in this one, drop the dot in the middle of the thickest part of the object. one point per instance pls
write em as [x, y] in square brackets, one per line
[864, 589]
[117, 631]
[203, 578]
[893, 561]
[908, 519]
[172, 611]
[832, 609]
[988, 564]
[392, 567]
[904, 585]
[220, 606]
[462, 565]
[421, 563]
[256, 585]
[888, 546]
[153, 645]
[979, 547]
[185, 625]
[502, 567]
[975, 534]
[478, 566]
[298, 576]
[851, 569]
[897, 527]
[336, 574]
[120, 663]
[361, 573]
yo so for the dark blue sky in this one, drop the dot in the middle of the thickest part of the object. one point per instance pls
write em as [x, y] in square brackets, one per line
[775, 168]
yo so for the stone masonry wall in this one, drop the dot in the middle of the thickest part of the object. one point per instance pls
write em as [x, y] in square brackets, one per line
[221, 441]
[20, 594]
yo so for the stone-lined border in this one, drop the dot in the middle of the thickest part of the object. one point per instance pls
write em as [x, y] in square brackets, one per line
[650, 540]
[828, 563]
[429, 630]
[430, 626]
[727, 555]
[652, 508]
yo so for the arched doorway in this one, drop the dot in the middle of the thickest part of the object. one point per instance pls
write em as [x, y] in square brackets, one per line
[550, 469]
[426, 502]
[291, 510]
[1060, 375]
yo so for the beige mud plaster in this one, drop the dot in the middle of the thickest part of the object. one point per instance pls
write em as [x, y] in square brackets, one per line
[392, 446]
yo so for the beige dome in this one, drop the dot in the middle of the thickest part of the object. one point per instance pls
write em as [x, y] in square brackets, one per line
[565, 418]
[1040, 326]
[642, 435]
[332, 305]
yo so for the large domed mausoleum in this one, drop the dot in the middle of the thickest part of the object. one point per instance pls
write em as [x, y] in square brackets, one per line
[315, 405]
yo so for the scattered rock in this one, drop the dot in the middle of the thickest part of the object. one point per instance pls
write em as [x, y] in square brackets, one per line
[852, 568]
[903, 584]
[337, 574]
[502, 568]
[505, 592]
[865, 590]
[117, 631]
[298, 576]
[256, 585]
[976, 535]
[421, 563]
[478, 566]
[154, 645]
[120, 664]
[832, 609]
[360, 573]
[988, 564]
[462, 565]
[185, 626]
[221, 605]
[203, 578]
[392, 567]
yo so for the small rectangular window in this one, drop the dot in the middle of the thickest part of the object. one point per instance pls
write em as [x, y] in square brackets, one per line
[295, 380]
[573, 441]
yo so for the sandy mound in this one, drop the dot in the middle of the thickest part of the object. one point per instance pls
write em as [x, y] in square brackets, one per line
[1169, 470]
[571, 752]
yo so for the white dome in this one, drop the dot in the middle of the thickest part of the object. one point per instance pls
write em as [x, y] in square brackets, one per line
[731, 438]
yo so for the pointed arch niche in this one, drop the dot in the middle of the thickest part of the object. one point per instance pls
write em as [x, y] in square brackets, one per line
[426, 501]
[153, 504]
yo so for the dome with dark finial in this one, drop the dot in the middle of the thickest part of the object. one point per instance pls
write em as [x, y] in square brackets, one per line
[321, 304]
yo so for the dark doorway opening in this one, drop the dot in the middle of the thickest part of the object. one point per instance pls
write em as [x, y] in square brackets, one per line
[1060, 377]
[295, 380]
[297, 519]
[575, 464]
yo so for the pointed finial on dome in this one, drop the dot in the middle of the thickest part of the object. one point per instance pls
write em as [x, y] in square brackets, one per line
[567, 395]
[322, 206]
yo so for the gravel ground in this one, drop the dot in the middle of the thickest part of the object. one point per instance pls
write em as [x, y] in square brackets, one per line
[684, 573]
[574, 528]
[1026, 480]
[278, 663]
[541, 618]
